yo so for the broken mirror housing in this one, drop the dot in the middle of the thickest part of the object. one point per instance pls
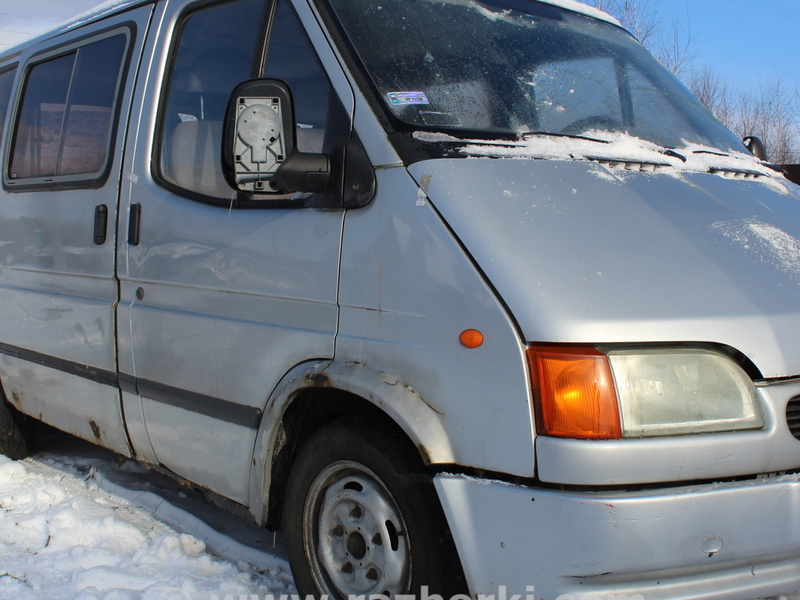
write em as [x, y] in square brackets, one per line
[259, 134]
[260, 156]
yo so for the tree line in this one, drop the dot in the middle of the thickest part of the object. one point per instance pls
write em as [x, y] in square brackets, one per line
[770, 110]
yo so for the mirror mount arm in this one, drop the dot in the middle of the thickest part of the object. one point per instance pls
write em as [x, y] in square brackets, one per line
[304, 172]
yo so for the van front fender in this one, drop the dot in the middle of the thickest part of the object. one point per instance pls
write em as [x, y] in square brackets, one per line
[421, 422]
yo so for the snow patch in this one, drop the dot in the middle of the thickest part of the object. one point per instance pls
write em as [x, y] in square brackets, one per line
[770, 243]
[62, 537]
[584, 9]
[620, 152]
[9, 471]
[432, 136]
[98, 12]
[573, 5]
[605, 175]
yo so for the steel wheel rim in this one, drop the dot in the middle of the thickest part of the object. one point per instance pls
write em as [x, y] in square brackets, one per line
[355, 536]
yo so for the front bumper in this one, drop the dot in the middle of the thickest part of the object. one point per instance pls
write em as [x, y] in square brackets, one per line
[724, 541]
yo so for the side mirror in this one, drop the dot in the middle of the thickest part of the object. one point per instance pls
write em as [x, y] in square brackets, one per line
[756, 147]
[259, 154]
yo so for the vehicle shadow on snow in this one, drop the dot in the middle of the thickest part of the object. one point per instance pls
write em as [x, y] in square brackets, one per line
[181, 506]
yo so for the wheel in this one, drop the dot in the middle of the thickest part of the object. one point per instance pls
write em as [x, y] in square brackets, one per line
[16, 435]
[362, 518]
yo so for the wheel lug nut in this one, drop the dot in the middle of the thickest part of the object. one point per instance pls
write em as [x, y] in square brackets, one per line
[376, 539]
[356, 513]
[372, 574]
[348, 568]
[338, 531]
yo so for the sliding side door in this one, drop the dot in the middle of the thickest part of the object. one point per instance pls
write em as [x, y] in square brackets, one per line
[62, 160]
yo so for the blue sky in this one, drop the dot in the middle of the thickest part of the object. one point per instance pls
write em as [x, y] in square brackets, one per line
[22, 19]
[746, 40]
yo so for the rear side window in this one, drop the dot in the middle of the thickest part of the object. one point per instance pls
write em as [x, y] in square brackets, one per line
[6, 86]
[65, 119]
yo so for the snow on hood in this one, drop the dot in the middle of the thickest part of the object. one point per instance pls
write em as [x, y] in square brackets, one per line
[620, 151]
[583, 252]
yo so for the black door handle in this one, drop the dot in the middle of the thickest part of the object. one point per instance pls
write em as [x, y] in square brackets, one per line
[100, 224]
[133, 224]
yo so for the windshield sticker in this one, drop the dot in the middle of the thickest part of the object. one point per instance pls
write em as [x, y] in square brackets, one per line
[401, 98]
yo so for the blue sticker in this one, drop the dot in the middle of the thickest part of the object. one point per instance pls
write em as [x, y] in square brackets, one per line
[400, 98]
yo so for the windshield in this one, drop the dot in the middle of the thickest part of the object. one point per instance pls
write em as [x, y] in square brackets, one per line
[510, 67]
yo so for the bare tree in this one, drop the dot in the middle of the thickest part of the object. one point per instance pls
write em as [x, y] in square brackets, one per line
[640, 17]
[675, 45]
[672, 44]
[714, 92]
[771, 111]
[796, 117]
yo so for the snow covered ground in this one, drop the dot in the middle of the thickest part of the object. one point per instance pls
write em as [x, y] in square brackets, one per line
[77, 524]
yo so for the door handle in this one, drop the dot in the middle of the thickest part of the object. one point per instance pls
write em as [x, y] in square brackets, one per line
[133, 224]
[100, 224]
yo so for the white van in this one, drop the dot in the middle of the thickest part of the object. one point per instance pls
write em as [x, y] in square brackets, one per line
[469, 296]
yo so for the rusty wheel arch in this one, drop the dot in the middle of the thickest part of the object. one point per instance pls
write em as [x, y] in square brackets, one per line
[316, 392]
[310, 409]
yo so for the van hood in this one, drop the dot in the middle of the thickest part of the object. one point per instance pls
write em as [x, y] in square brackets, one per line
[587, 253]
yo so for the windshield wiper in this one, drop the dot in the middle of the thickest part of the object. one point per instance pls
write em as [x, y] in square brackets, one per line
[673, 154]
[529, 134]
[714, 152]
[664, 151]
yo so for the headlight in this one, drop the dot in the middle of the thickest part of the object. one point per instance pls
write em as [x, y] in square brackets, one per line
[671, 393]
[584, 393]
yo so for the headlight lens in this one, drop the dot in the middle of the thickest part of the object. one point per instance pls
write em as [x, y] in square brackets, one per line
[581, 392]
[673, 393]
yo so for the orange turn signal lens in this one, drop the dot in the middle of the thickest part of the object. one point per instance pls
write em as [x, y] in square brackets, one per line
[574, 393]
[471, 338]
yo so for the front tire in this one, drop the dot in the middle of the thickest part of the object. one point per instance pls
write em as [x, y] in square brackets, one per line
[362, 518]
[16, 435]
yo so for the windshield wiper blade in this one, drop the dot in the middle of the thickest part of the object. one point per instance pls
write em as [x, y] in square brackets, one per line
[673, 154]
[530, 134]
[714, 152]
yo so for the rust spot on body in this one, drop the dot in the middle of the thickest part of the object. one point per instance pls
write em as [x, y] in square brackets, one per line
[319, 380]
[425, 453]
[95, 429]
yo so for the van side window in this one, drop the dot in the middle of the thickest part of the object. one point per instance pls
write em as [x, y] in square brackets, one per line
[291, 58]
[215, 52]
[6, 87]
[64, 125]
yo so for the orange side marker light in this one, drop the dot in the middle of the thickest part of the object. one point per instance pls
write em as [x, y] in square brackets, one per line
[471, 338]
